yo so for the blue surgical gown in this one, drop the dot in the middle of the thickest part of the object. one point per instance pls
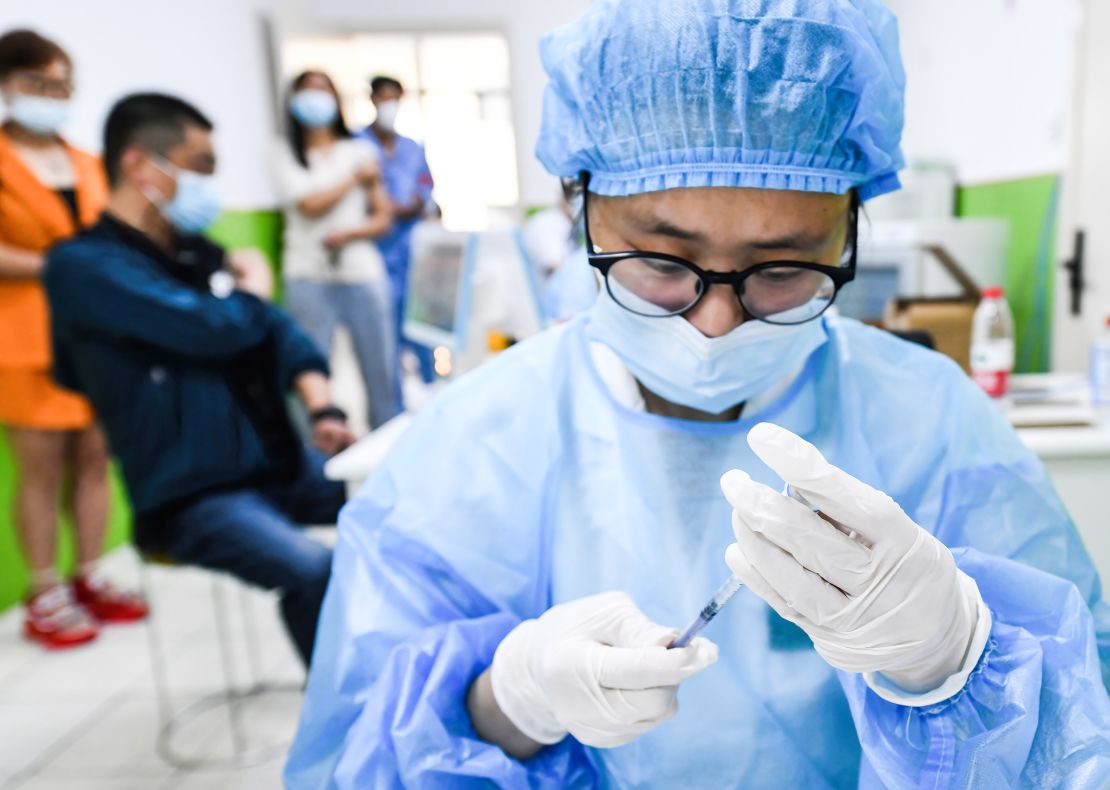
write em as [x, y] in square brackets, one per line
[526, 484]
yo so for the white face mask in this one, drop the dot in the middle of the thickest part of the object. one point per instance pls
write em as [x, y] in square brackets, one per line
[674, 360]
[387, 114]
[40, 115]
[195, 204]
[314, 108]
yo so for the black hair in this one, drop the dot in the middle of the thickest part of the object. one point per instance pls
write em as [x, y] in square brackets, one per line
[154, 121]
[381, 82]
[26, 49]
[571, 187]
[295, 130]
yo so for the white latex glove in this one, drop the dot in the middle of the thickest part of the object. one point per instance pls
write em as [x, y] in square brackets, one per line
[596, 668]
[894, 603]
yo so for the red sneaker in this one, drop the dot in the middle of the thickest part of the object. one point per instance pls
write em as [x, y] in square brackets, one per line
[106, 603]
[56, 621]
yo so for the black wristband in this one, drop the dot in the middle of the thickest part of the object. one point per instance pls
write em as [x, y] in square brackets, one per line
[327, 413]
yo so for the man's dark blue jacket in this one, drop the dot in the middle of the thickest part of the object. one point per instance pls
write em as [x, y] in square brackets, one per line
[191, 388]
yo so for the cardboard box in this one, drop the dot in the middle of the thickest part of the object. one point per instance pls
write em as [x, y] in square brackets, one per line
[946, 319]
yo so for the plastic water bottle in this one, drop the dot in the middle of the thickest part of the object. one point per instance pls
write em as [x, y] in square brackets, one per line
[1100, 367]
[992, 343]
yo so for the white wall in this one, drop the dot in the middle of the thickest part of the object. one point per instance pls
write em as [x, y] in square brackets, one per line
[212, 53]
[522, 21]
[989, 84]
[1086, 199]
[207, 51]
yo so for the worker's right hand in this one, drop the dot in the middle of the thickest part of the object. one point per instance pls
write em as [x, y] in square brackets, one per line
[596, 668]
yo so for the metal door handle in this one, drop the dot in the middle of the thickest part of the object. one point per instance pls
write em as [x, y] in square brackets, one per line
[1076, 281]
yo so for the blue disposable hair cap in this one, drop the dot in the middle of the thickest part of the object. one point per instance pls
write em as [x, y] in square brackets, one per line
[648, 95]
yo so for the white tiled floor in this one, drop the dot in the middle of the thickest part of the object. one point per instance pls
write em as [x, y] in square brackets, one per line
[87, 718]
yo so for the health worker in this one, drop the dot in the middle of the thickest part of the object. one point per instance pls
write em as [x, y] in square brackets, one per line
[504, 587]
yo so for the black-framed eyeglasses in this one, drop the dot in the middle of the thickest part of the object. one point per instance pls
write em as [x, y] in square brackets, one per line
[657, 285]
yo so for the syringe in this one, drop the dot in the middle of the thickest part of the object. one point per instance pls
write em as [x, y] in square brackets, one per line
[723, 595]
[792, 493]
[732, 585]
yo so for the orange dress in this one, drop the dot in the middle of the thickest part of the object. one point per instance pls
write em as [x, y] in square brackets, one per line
[35, 217]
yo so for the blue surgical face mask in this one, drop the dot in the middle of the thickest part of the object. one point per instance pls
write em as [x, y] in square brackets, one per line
[196, 203]
[314, 108]
[40, 115]
[674, 360]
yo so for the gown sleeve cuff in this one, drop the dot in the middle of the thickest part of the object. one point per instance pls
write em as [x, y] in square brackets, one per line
[955, 682]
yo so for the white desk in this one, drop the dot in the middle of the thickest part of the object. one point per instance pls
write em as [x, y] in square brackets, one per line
[358, 461]
[1080, 442]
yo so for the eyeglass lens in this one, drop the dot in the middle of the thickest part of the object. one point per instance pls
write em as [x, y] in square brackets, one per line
[656, 287]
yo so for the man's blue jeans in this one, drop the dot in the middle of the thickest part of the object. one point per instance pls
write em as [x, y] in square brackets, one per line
[255, 534]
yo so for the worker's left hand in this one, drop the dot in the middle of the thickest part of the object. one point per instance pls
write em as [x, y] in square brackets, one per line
[890, 600]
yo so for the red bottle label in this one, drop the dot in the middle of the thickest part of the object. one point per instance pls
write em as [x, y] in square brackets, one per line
[995, 383]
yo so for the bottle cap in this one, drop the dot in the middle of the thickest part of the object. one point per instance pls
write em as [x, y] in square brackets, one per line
[994, 292]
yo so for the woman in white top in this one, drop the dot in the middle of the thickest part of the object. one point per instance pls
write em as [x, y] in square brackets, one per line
[335, 206]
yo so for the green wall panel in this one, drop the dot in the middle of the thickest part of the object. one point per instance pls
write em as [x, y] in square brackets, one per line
[1030, 205]
[260, 229]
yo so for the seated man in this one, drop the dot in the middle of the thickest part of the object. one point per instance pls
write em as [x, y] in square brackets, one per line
[190, 373]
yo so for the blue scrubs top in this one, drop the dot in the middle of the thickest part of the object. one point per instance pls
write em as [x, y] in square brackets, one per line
[406, 175]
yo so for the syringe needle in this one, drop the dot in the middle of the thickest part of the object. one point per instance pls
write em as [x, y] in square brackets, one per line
[723, 595]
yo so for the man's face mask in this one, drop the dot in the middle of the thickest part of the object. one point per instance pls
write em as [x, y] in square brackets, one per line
[641, 312]
[195, 204]
[387, 114]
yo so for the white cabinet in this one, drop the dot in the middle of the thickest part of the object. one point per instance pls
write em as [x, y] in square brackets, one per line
[1078, 461]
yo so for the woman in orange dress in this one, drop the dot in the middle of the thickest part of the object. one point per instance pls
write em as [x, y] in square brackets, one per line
[48, 191]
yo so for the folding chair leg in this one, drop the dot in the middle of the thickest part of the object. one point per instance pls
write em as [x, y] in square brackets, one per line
[227, 659]
[233, 696]
[250, 637]
[159, 669]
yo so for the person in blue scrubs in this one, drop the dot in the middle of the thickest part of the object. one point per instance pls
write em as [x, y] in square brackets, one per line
[505, 586]
[409, 183]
